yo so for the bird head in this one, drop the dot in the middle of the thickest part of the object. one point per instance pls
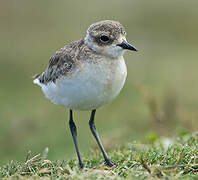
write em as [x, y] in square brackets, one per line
[108, 38]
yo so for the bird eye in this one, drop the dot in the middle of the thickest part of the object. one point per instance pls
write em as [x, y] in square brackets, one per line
[104, 39]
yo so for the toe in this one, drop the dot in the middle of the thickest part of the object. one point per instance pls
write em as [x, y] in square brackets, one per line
[109, 163]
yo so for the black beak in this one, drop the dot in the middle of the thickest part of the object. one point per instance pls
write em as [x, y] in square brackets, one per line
[126, 45]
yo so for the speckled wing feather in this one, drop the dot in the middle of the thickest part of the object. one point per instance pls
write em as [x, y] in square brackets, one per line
[61, 63]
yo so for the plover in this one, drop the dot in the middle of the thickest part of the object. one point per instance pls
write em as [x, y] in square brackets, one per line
[87, 74]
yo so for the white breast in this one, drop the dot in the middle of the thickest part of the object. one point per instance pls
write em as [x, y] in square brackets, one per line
[90, 87]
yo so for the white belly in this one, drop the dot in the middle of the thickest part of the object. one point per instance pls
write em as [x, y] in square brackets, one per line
[90, 87]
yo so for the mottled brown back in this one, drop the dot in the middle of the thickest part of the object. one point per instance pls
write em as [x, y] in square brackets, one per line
[64, 61]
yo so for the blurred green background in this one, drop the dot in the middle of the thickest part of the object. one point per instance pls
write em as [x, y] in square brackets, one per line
[160, 95]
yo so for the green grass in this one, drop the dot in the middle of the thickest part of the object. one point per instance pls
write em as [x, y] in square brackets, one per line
[160, 159]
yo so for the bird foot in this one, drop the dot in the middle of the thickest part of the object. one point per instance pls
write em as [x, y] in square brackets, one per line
[81, 165]
[109, 163]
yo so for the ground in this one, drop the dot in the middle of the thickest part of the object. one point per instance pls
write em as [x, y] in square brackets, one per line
[175, 158]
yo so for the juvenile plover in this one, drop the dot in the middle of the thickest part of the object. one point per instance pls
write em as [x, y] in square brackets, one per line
[87, 74]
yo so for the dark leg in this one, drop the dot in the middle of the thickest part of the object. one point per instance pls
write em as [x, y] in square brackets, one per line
[74, 135]
[108, 162]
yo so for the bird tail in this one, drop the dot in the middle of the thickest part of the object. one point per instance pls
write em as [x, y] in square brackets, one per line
[36, 76]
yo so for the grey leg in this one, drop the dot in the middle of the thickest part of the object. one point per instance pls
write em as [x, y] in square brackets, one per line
[74, 135]
[107, 161]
